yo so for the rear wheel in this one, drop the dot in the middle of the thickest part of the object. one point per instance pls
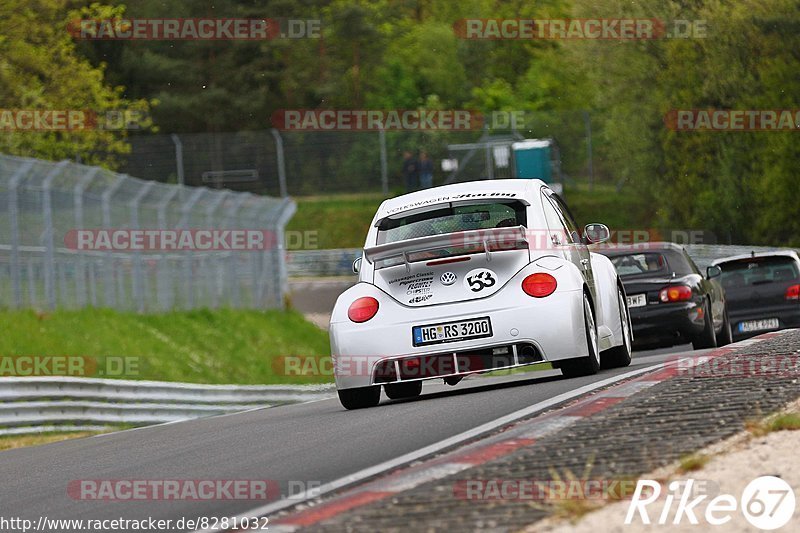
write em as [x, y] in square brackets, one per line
[707, 338]
[620, 356]
[584, 366]
[361, 397]
[725, 336]
[398, 391]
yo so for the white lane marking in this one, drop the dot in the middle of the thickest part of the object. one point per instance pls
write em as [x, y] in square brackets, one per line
[628, 389]
[547, 427]
[182, 420]
[431, 449]
[139, 428]
[413, 479]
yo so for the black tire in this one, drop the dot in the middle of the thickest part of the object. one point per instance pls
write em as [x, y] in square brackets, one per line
[620, 356]
[361, 397]
[706, 339]
[725, 336]
[398, 391]
[584, 366]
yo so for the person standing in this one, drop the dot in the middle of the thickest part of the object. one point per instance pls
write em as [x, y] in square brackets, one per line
[425, 170]
[410, 171]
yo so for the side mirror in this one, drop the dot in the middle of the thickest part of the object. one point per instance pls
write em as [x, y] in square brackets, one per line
[596, 233]
[713, 272]
[356, 265]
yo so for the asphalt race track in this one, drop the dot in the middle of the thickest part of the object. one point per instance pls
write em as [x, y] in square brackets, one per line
[316, 442]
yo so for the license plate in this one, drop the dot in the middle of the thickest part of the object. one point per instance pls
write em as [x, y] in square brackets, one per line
[637, 300]
[452, 331]
[758, 325]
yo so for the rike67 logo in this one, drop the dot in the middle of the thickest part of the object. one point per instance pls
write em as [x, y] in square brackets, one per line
[767, 503]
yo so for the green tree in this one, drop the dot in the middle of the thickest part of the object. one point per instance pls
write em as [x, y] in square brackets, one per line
[41, 70]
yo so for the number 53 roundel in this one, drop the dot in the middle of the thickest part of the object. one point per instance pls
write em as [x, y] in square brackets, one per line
[479, 279]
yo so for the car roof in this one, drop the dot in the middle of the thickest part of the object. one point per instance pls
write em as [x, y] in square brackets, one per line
[641, 248]
[751, 255]
[514, 188]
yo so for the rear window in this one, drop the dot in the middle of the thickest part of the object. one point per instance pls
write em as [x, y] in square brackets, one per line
[758, 270]
[450, 219]
[639, 264]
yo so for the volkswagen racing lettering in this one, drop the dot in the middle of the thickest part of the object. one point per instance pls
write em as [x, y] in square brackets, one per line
[459, 275]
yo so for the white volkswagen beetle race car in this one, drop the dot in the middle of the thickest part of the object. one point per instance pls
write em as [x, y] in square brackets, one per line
[471, 278]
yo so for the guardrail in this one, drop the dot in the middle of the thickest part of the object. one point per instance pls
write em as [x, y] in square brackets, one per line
[320, 263]
[45, 404]
[338, 262]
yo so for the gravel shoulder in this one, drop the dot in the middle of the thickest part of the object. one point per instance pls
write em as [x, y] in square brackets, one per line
[732, 465]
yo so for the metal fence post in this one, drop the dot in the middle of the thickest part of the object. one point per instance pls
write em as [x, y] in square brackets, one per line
[13, 211]
[178, 157]
[233, 277]
[281, 163]
[164, 275]
[80, 275]
[49, 244]
[256, 258]
[138, 281]
[287, 212]
[215, 263]
[587, 119]
[108, 281]
[31, 284]
[384, 164]
[265, 221]
[489, 163]
[189, 273]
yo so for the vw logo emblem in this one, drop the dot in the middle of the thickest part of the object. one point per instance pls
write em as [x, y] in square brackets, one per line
[448, 278]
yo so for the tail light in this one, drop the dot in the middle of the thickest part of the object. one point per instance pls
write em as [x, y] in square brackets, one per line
[675, 293]
[363, 309]
[539, 285]
[793, 292]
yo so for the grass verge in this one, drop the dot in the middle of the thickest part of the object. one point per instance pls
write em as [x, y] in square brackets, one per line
[789, 421]
[22, 441]
[340, 221]
[203, 346]
[693, 463]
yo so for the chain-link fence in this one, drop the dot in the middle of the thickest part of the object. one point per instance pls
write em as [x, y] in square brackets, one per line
[301, 163]
[52, 254]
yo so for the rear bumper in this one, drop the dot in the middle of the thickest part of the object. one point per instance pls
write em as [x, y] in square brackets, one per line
[554, 326]
[788, 317]
[660, 323]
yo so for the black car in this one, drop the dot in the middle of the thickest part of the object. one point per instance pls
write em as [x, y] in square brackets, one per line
[670, 301]
[763, 291]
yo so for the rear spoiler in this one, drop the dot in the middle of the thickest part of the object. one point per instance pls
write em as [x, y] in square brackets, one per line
[479, 239]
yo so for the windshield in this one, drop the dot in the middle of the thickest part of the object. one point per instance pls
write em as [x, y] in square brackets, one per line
[758, 270]
[451, 219]
[640, 264]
